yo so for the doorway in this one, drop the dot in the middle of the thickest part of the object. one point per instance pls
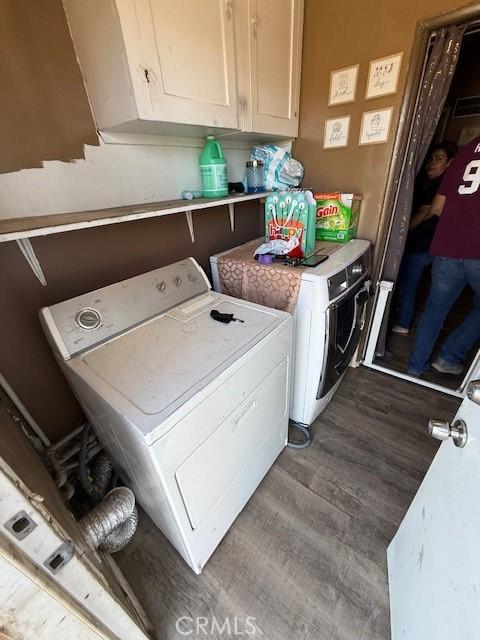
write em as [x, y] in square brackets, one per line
[458, 123]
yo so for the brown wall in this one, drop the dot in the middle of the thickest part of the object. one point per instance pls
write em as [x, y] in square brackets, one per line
[338, 33]
[44, 111]
[80, 261]
[45, 115]
[341, 33]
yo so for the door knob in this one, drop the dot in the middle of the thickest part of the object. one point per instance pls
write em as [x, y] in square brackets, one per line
[473, 391]
[442, 430]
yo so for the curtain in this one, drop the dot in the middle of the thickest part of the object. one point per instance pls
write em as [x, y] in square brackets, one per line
[440, 67]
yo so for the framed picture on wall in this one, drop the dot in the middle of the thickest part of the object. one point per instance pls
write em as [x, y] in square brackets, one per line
[467, 135]
[383, 76]
[343, 83]
[375, 126]
[336, 132]
[466, 107]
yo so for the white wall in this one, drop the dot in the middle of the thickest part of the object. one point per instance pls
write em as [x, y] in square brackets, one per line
[112, 175]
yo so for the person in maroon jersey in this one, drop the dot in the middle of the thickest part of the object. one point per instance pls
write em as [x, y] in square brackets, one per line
[416, 257]
[456, 250]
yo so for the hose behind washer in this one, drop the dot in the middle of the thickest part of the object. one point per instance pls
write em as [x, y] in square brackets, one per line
[306, 432]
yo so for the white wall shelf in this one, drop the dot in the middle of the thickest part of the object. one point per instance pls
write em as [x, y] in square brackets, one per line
[21, 230]
[43, 225]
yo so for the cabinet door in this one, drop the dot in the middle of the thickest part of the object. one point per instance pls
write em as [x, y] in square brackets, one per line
[187, 48]
[276, 29]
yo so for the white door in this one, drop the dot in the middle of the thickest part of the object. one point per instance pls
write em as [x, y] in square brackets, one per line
[434, 559]
[276, 29]
[188, 51]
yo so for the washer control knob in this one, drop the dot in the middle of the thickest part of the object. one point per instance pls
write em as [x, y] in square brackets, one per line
[192, 277]
[177, 281]
[161, 286]
[88, 319]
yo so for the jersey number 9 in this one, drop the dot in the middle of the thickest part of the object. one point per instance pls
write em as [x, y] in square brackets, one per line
[471, 175]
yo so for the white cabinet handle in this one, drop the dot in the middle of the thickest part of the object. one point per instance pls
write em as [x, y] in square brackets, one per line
[148, 75]
[254, 22]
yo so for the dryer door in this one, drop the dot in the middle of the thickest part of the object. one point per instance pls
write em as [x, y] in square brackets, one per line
[345, 320]
[216, 470]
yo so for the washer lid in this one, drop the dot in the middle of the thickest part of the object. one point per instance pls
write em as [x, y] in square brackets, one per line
[159, 365]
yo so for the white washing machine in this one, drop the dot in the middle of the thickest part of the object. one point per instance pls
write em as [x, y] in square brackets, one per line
[193, 412]
[328, 320]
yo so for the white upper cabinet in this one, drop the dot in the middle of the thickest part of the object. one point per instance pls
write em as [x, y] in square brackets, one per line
[271, 32]
[187, 47]
[180, 67]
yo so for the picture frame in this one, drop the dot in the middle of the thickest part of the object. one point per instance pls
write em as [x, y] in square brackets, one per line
[383, 75]
[336, 132]
[343, 85]
[466, 107]
[375, 127]
[467, 134]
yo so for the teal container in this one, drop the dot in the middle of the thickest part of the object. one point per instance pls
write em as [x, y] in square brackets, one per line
[213, 170]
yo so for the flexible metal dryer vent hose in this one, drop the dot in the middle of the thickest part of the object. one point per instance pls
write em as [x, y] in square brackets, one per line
[102, 470]
[111, 524]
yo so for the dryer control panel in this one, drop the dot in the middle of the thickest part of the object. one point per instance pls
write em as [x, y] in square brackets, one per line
[82, 322]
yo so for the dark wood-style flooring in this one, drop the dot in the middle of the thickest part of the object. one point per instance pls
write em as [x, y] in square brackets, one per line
[307, 556]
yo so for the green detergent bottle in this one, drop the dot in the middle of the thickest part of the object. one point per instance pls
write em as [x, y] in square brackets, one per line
[213, 170]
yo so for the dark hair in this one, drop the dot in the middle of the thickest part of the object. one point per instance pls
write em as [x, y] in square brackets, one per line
[448, 146]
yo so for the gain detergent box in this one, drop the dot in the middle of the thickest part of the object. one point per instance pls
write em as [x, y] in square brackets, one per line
[337, 216]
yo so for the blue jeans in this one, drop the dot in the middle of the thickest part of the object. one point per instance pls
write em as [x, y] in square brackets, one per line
[449, 278]
[413, 265]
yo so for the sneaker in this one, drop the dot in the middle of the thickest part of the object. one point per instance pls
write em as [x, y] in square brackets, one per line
[402, 331]
[441, 365]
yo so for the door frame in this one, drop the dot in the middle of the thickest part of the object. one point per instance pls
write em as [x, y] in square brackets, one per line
[423, 32]
[59, 566]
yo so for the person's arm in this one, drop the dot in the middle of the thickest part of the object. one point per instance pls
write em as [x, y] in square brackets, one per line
[419, 216]
[438, 205]
[428, 211]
